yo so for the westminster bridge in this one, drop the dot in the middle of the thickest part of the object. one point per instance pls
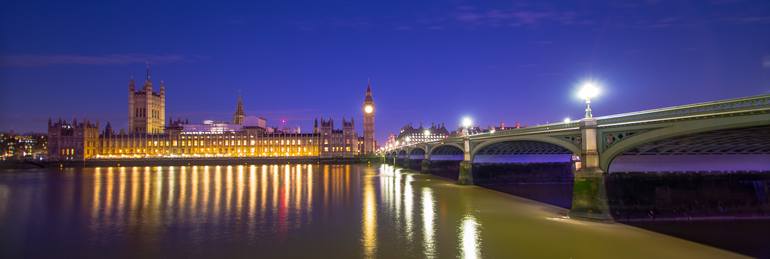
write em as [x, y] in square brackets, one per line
[707, 131]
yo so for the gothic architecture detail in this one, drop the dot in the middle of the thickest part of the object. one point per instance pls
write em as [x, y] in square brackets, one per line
[238, 116]
[72, 140]
[149, 137]
[611, 138]
[337, 143]
[369, 143]
[146, 108]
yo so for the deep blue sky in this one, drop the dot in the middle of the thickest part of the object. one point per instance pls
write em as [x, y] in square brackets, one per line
[429, 61]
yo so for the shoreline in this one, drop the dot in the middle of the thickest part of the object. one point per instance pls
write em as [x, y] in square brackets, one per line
[27, 164]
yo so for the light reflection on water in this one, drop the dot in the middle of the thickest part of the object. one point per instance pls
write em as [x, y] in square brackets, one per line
[339, 211]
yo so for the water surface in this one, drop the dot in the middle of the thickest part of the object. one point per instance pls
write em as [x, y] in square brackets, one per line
[310, 211]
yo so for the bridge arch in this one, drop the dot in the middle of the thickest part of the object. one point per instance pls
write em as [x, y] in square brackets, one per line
[401, 154]
[525, 145]
[445, 151]
[416, 153]
[710, 129]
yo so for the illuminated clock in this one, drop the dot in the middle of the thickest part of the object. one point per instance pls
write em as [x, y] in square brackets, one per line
[368, 109]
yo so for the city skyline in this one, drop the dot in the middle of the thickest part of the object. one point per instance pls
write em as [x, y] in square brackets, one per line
[440, 59]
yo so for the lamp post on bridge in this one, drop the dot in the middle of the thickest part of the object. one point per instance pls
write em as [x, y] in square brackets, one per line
[466, 166]
[425, 163]
[589, 195]
[588, 90]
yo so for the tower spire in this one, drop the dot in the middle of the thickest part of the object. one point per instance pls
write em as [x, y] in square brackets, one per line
[239, 115]
[147, 75]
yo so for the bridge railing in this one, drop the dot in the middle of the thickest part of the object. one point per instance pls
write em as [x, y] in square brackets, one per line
[737, 104]
[746, 103]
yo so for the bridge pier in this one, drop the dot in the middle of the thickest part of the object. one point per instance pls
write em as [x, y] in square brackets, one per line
[425, 166]
[466, 173]
[589, 196]
[589, 192]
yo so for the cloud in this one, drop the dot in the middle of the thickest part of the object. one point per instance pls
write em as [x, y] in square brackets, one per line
[513, 17]
[766, 62]
[76, 59]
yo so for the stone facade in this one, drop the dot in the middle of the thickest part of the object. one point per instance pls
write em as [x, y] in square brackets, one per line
[146, 108]
[72, 140]
[334, 142]
[369, 145]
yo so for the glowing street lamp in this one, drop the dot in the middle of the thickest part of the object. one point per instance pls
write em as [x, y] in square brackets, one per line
[589, 89]
[467, 122]
[567, 120]
[426, 132]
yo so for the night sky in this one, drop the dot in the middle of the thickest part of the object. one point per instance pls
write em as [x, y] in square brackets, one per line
[428, 61]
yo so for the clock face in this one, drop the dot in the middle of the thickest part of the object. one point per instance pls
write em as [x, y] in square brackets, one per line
[368, 109]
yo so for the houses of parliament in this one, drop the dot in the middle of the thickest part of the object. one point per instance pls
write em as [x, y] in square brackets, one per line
[151, 136]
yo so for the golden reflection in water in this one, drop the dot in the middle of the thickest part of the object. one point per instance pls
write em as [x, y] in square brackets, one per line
[121, 193]
[263, 191]
[171, 185]
[229, 190]
[150, 198]
[408, 207]
[206, 191]
[309, 199]
[134, 193]
[217, 191]
[110, 189]
[252, 191]
[194, 193]
[469, 238]
[369, 222]
[158, 192]
[297, 192]
[428, 215]
[97, 190]
[239, 185]
[326, 186]
[182, 203]
[274, 182]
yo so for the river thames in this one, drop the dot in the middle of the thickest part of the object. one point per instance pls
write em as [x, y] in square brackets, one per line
[307, 210]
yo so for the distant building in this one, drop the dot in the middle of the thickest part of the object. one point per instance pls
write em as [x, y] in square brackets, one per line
[146, 109]
[369, 145]
[411, 134]
[245, 136]
[238, 116]
[72, 140]
[337, 143]
[23, 146]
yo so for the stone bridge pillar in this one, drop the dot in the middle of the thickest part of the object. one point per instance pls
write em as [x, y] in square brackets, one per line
[466, 166]
[425, 165]
[589, 195]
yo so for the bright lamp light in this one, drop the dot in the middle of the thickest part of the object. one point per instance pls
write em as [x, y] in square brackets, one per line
[467, 122]
[589, 90]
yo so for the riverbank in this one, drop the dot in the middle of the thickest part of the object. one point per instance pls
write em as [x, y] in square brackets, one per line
[27, 164]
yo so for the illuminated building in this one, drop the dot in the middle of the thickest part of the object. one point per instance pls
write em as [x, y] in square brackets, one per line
[146, 109]
[337, 143]
[244, 137]
[72, 141]
[410, 134]
[238, 116]
[369, 143]
[23, 146]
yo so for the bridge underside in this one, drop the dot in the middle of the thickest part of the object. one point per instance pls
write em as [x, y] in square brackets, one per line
[444, 153]
[522, 152]
[745, 149]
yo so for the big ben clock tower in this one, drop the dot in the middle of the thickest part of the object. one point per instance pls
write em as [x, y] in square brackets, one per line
[368, 121]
